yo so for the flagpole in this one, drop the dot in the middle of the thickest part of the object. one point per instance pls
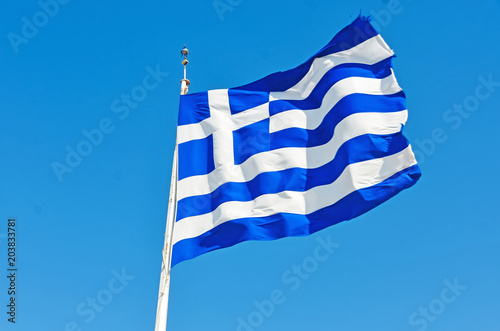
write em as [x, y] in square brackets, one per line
[163, 293]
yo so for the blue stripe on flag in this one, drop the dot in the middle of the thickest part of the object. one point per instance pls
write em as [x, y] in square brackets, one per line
[343, 71]
[352, 104]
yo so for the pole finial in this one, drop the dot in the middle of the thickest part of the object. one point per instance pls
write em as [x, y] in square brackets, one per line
[185, 82]
[185, 52]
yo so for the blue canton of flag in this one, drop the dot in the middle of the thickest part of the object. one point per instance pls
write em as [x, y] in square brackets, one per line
[294, 152]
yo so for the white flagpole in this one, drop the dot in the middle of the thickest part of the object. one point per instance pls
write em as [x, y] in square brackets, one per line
[162, 308]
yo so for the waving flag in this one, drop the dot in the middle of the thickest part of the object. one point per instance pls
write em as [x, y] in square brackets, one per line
[294, 152]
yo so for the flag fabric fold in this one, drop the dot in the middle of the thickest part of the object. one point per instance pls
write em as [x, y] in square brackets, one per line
[294, 152]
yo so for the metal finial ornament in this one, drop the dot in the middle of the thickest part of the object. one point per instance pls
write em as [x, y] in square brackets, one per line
[185, 52]
[185, 82]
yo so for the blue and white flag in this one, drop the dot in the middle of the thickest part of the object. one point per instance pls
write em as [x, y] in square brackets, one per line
[294, 152]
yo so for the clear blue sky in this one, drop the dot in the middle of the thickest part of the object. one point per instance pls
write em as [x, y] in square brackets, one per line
[97, 231]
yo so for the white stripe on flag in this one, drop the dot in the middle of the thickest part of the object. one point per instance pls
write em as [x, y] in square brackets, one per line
[368, 52]
[311, 118]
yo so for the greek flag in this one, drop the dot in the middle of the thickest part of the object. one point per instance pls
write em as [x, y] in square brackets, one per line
[294, 152]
